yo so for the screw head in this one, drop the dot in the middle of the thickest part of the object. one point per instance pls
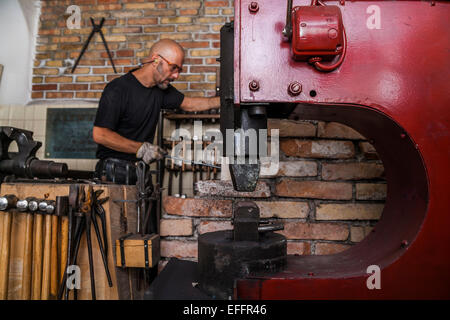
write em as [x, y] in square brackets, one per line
[254, 85]
[404, 243]
[332, 33]
[295, 88]
[253, 7]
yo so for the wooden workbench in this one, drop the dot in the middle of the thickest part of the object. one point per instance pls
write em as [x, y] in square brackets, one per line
[121, 219]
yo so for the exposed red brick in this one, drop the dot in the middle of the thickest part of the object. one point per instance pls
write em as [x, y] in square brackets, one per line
[212, 226]
[371, 191]
[89, 95]
[73, 87]
[283, 209]
[178, 249]
[197, 207]
[290, 128]
[225, 189]
[176, 227]
[300, 168]
[352, 171]
[314, 189]
[216, 3]
[318, 149]
[298, 248]
[125, 53]
[315, 231]
[41, 87]
[330, 248]
[349, 211]
[37, 95]
[143, 21]
[337, 130]
[58, 95]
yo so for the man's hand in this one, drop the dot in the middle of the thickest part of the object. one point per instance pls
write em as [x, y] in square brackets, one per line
[149, 152]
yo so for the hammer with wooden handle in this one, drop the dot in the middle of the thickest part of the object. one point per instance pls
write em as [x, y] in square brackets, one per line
[61, 211]
[37, 252]
[7, 202]
[46, 207]
[28, 205]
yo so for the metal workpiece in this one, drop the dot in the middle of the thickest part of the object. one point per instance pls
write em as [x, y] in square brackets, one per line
[246, 221]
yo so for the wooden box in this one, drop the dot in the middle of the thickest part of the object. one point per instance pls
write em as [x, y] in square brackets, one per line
[137, 251]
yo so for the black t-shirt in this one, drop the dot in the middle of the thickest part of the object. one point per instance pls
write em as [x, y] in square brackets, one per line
[132, 110]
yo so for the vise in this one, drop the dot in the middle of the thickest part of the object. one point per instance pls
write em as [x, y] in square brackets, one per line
[24, 163]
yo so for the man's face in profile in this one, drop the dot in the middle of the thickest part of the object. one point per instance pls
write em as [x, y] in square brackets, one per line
[169, 71]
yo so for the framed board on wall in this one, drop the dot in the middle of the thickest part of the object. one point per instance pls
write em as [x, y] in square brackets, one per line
[69, 133]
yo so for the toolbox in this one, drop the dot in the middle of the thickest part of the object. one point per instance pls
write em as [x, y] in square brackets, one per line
[137, 251]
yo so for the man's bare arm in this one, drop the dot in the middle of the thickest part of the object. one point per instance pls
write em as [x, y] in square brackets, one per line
[200, 104]
[114, 141]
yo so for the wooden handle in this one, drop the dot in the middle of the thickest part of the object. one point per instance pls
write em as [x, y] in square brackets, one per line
[27, 258]
[4, 257]
[45, 290]
[64, 244]
[37, 258]
[54, 258]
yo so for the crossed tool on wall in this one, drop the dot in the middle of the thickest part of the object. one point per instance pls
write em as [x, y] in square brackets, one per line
[95, 28]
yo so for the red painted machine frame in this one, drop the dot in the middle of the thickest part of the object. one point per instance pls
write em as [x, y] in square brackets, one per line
[393, 87]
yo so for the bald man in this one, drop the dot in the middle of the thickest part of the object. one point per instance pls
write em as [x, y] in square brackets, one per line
[128, 112]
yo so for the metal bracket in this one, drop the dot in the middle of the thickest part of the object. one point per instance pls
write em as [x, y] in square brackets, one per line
[147, 264]
[122, 249]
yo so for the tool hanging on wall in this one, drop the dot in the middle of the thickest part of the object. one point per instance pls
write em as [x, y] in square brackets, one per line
[95, 28]
[6, 203]
[28, 206]
[84, 208]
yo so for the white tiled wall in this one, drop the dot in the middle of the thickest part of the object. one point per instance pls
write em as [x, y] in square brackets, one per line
[32, 117]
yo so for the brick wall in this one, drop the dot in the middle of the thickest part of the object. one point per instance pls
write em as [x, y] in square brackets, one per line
[329, 192]
[130, 28]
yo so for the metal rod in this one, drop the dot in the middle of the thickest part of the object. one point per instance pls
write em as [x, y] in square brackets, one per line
[192, 162]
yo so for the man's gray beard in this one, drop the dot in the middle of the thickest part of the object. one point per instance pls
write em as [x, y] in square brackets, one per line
[163, 86]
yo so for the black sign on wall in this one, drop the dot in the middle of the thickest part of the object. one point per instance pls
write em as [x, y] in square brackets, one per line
[69, 133]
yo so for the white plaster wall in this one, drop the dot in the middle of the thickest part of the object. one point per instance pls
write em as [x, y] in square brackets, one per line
[18, 28]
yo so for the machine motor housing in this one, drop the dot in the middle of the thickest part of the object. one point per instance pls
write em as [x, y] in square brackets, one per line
[317, 31]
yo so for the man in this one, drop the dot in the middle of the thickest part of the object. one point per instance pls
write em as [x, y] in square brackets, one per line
[129, 108]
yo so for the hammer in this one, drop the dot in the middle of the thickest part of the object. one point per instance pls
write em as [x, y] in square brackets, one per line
[61, 210]
[46, 208]
[28, 205]
[6, 202]
[37, 252]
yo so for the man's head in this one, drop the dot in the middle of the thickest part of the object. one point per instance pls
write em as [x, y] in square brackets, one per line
[166, 60]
